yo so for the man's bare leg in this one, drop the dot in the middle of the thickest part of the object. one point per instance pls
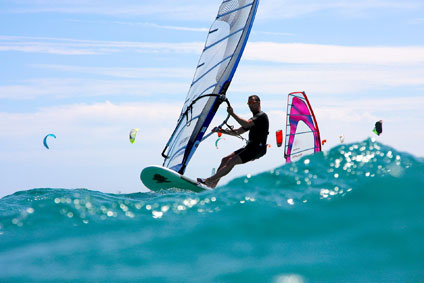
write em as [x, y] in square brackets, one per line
[224, 161]
[226, 166]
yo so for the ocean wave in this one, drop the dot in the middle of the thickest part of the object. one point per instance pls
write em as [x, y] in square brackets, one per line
[356, 208]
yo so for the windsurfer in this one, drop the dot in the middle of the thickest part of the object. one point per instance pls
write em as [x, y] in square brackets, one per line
[257, 126]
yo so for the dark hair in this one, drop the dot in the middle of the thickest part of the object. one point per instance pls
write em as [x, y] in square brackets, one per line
[255, 97]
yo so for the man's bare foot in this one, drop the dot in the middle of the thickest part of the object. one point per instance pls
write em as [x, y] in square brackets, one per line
[207, 182]
[204, 182]
[214, 184]
[210, 183]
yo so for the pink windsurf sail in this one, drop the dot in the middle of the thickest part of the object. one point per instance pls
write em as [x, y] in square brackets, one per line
[302, 133]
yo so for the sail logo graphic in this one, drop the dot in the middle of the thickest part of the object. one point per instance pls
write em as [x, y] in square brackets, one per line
[160, 179]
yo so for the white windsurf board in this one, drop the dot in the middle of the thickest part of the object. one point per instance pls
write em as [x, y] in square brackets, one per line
[157, 178]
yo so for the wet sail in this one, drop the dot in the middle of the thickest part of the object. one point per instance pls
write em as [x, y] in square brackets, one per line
[224, 46]
[302, 133]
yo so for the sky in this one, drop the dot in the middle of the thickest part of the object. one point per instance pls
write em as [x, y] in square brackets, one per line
[90, 71]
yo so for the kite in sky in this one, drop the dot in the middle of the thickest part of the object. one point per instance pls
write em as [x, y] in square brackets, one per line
[45, 140]
[378, 129]
[133, 134]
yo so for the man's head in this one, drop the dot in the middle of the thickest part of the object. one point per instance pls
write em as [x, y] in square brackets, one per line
[254, 103]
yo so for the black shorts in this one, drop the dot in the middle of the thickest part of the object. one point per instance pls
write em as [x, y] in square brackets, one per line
[250, 152]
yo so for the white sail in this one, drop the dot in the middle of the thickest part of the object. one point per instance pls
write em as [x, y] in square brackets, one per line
[224, 46]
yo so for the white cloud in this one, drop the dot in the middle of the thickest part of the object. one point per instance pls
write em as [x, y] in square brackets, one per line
[194, 10]
[417, 21]
[45, 48]
[67, 46]
[165, 9]
[73, 88]
[352, 111]
[300, 53]
[272, 33]
[154, 25]
[99, 123]
[325, 79]
[277, 9]
[295, 53]
[172, 83]
[122, 72]
[195, 29]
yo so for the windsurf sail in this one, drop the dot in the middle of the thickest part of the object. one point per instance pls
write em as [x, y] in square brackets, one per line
[224, 46]
[302, 133]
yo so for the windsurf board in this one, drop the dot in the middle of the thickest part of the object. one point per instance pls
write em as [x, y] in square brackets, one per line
[157, 178]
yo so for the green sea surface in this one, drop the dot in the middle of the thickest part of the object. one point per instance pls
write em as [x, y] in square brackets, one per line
[351, 214]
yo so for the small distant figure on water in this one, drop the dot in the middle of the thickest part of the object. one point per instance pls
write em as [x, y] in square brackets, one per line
[342, 137]
[256, 147]
[378, 129]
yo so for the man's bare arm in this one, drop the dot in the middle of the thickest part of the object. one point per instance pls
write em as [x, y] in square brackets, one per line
[247, 124]
[230, 132]
[235, 132]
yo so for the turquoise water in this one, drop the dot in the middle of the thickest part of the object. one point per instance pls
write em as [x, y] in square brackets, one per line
[351, 214]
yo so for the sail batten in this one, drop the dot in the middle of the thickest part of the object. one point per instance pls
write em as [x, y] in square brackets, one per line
[217, 64]
[299, 133]
[203, 92]
[215, 43]
[221, 54]
[235, 10]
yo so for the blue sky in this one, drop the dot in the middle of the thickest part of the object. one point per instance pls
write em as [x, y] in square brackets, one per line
[90, 71]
